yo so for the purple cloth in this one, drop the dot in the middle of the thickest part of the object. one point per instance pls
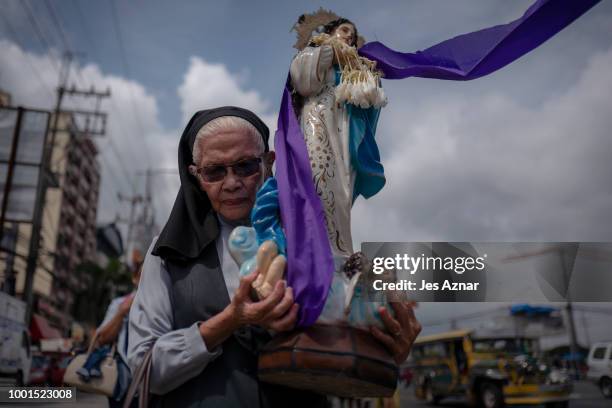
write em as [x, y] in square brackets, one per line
[482, 52]
[310, 264]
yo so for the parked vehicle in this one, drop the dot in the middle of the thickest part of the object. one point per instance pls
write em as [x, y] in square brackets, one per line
[58, 368]
[406, 376]
[40, 371]
[15, 353]
[600, 367]
[489, 371]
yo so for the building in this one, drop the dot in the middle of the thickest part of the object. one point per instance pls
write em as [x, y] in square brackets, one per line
[5, 98]
[75, 205]
[68, 235]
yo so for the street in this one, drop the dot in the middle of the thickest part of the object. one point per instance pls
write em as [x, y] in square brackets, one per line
[83, 399]
[585, 395]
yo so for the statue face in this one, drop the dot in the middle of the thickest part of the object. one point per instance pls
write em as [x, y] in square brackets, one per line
[345, 32]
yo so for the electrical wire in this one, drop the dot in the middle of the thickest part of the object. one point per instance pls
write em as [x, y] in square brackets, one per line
[126, 68]
[89, 39]
[58, 26]
[37, 29]
[113, 146]
[35, 71]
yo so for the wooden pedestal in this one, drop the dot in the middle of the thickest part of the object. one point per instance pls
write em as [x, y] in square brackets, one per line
[334, 360]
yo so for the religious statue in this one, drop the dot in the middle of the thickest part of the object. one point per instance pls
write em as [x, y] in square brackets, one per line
[327, 156]
[339, 96]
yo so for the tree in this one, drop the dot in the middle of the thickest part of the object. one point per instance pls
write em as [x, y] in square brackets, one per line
[106, 283]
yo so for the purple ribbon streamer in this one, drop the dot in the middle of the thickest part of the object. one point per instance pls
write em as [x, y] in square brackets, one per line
[470, 56]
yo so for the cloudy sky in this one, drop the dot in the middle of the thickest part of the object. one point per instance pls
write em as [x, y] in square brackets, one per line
[520, 155]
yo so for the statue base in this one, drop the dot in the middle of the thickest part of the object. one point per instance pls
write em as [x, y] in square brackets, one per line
[334, 360]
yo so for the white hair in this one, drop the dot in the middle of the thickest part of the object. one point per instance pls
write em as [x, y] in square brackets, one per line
[221, 125]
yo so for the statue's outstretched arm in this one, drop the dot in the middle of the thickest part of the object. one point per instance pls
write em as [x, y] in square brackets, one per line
[309, 69]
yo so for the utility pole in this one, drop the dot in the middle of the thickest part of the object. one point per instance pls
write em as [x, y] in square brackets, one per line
[569, 310]
[10, 273]
[47, 178]
[569, 251]
[148, 213]
[41, 190]
[134, 201]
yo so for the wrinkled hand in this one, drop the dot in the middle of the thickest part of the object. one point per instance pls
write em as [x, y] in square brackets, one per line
[276, 312]
[402, 330]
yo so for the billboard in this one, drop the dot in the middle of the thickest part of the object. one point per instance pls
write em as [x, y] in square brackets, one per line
[22, 140]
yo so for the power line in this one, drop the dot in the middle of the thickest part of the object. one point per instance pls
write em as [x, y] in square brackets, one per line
[64, 39]
[88, 36]
[55, 19]
[119, 115]
[62, 35]
[25, 240]
[58, 26]
[113, 146]
[90, 40]
[113, 175]
[121, 164]
[126, 68]
[13, 33]
[111, 141]
[34, 21]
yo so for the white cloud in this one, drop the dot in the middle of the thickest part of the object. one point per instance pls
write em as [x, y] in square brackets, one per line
[485, 167]
[459, 165]
[135, 137]
[208, 85]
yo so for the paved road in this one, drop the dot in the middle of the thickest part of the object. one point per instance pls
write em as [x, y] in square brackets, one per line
[585, 395]
[83, 399]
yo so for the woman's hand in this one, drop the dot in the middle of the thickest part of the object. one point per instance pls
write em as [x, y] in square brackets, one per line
[403, 329]
[277, 312]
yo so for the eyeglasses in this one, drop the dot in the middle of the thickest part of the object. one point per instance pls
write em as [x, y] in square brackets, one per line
[217, 172]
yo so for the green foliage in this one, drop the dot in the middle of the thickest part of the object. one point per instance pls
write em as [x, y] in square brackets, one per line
[112, 281]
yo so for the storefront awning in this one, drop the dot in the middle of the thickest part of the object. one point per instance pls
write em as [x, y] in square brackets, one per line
[40, 329]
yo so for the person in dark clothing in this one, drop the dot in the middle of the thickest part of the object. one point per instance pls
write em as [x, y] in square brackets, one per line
[192, 306]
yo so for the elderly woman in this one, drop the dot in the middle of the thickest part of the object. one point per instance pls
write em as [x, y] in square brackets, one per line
[191, 306]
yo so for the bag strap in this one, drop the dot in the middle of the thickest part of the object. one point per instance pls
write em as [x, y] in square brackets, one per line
[92, 343]
[140, 383]
[143, 401]
[113, 349]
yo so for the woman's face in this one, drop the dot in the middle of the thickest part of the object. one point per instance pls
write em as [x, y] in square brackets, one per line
[345, 32]
[232, 197]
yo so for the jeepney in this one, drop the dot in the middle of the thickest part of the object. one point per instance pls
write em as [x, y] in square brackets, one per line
[491, 371]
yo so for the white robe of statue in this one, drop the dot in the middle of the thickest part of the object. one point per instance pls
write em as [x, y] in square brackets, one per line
[325, 127]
